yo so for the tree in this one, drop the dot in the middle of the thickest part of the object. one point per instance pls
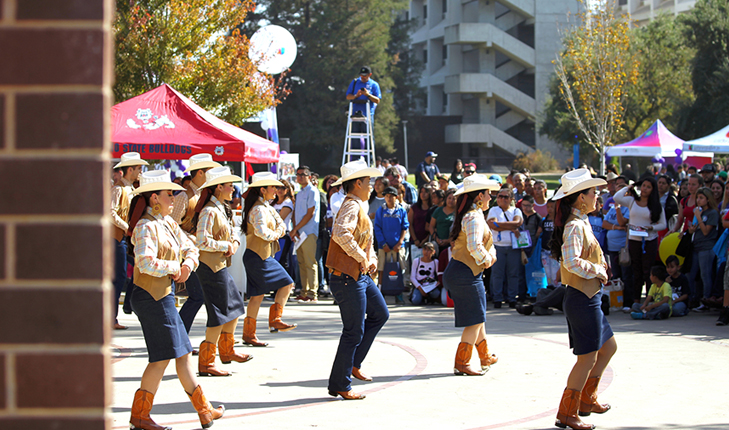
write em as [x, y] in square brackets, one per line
[189, 45]
[594, 70]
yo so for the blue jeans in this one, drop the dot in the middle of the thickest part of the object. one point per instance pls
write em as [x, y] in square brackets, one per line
[702, 264]
[194, 301]
[658, 313]
[680, 309]
[417, 297]
[120, 273]
[356, 299]
[505, 273]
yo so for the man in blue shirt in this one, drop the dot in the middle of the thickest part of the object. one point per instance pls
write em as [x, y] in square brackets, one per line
[360, 91]
[306, 222]
[426, 170]
[391, 226]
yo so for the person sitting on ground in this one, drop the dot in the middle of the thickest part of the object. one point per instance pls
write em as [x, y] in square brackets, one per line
[680, 286]
[391, 227]
[424, 275]
[657, 305]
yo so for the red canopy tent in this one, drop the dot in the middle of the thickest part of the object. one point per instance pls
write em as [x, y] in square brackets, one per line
[164, 124]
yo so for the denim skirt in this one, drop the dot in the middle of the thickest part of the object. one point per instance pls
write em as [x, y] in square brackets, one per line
[164, 332]
[467, 292]
[264, 276]
[223, 300]
[588, 328]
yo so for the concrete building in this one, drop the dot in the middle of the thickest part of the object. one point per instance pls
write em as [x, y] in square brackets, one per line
[643, 11]
[487, 70]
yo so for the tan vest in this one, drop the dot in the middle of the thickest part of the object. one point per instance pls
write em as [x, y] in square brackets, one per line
[591, 252]
[263, 248]
[217, 261]
[186, 222]
[122, 210]
[339, 260]
[157, 287]
[460, 252]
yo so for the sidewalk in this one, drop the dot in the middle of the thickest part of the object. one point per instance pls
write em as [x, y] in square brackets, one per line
[666, 375]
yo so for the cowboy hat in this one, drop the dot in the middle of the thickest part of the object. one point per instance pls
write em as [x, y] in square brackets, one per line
[219, 175]
[264, 179]
[354, 170]
[576, 180]
[477, 182]
[201, 161]
[131, 159]
[611, 176]
[156, 180]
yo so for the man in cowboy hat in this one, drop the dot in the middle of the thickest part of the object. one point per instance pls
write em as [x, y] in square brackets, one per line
[121, 197]
[183, 212]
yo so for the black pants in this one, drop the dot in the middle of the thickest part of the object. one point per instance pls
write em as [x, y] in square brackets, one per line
[642, 258]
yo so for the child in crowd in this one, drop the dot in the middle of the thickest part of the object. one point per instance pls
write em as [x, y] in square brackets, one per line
[657, 305]
[391, 226]
[680, 286]
[424, 276]
[551, 266]
[532, 220]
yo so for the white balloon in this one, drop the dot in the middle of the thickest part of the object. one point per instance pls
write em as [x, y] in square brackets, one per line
[273, 48]
[265, 125]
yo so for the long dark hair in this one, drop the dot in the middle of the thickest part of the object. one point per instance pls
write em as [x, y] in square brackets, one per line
[385, 183]
[562, 212]
[205, 195]
[463, 205]
[654, 200]
[289, 192]
[252, 196]
[137, 209]
[420, 200]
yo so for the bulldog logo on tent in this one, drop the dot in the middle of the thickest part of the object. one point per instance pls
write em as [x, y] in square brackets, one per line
[149, 120]
[219, 151]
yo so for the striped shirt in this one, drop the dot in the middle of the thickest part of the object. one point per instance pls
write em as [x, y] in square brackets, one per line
[181, 202]
[146, 237]
[573, 236]
[259, 216]
[343, 231]
[204, 237]
[474, 225]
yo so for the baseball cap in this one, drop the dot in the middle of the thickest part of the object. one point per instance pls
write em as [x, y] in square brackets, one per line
[707, 168]
[431, 154]
[390, 190]
[723, 174]
[365, 70]
[496, 178]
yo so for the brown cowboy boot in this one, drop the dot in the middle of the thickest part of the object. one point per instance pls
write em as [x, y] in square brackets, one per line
[567, 414]
[588, 400]
[249, 333]
[141, 406]
[274, 320]
[483, 353]
[463, 361]
[227, 352]
[206, 361]
[204, 409]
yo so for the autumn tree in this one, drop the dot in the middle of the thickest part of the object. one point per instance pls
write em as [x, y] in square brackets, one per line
[593, 71]
[193, 46]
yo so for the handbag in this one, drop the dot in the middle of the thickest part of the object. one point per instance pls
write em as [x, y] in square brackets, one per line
[624, 254]
[684, 246]
[392, 279]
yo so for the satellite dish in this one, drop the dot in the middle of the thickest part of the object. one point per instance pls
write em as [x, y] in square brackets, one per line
[273, 48]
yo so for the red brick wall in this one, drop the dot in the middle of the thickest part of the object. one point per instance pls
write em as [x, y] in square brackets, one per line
[55, 256]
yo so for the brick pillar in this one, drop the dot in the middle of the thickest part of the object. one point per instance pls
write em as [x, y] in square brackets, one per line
[55, 256]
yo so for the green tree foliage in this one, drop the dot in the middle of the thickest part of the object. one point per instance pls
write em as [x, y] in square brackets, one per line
[707, 30]
[335, 39]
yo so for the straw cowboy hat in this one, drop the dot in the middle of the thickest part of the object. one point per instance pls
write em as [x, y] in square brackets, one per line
[131, 159]
[354, 170]
[264, 179]
[611, 176]
[577, 180]
[219, 175]
[156, 180]
[201, 161]
[478, 182]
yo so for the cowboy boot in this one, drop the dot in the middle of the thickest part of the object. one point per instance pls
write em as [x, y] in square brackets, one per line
[274, 320]
[227, 352]
[249, 333]
[206, 361]
[204, 409]
[463, 360]
[141, 407]
[567, 414]
[483, 353]
[588, 400]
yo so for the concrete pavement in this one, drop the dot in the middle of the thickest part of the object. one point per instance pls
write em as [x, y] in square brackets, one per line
[666, 375]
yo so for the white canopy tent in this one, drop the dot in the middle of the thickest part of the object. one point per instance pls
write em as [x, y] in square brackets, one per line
[715, 142]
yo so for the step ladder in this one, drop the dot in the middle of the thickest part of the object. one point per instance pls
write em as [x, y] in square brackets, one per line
[358, 144]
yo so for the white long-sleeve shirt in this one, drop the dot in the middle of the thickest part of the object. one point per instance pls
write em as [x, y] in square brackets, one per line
[640, 216]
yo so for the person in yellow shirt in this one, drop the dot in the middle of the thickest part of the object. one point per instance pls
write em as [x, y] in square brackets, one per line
[658, 304]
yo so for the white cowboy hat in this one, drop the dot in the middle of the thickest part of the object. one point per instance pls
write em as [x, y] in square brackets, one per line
[611, 176]
[131, 159]
[219, 175]
[356, 169]
[264, 179]
[478, 182]
[576, 180]
[156, 180]
[201, 161]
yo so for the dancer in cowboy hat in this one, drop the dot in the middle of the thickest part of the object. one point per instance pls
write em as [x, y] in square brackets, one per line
[162, 253]
[121, 196]
[351, 262]
[583, 270]
[263, 228]
[473, 252]
[218, 240]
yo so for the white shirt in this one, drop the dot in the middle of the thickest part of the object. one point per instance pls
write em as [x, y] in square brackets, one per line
[503, 238]
[336, 201]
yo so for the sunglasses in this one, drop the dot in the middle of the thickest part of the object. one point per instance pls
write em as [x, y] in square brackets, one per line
[302, 174]
[469, 171]
[501, 196]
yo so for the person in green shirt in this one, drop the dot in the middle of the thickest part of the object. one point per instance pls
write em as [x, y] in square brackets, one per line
[659, 302]
[442, 220]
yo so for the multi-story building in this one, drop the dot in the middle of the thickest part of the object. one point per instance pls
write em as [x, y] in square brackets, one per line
[487, 70]
[642, 11]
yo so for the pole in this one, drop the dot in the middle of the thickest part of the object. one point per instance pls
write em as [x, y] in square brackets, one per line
[405, 135]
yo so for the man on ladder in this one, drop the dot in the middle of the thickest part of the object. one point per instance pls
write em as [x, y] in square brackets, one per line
[363, 92]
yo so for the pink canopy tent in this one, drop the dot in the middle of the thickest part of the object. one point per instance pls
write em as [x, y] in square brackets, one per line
[656, 140]
[164, 124]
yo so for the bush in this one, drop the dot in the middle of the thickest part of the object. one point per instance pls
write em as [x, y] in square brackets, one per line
[536, 162]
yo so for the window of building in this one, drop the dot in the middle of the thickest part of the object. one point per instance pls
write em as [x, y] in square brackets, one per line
[445, 103]
[425, 57]
[445, 54]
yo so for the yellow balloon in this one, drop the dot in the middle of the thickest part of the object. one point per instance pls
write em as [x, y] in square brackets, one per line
[668, 247]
